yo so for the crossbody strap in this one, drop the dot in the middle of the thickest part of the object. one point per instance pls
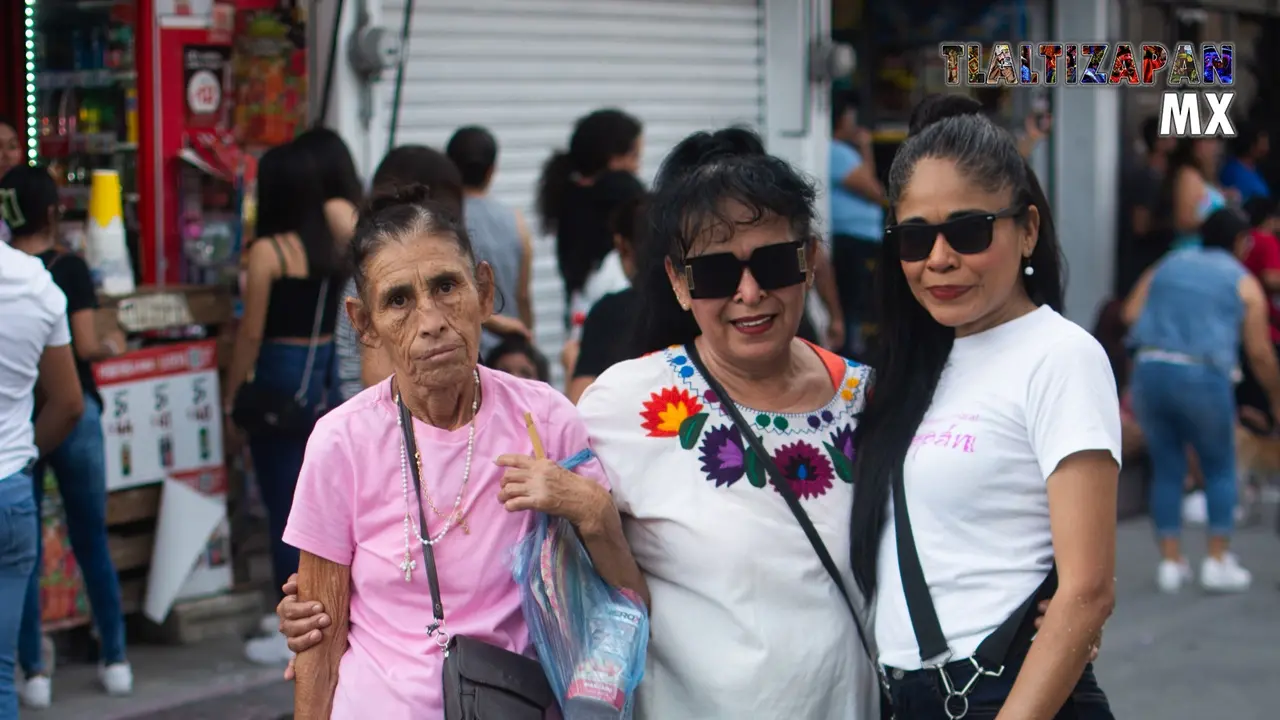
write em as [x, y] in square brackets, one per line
[301, 395]
[784, 488]
[428, 556]
[994, 651]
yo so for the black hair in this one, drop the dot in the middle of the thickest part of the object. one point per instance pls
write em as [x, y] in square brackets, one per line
[474, 151]
[913, 347]
[1260, 209]
[28, 199]
[421, 165]
[397, 211]
[630, 221]
[700, 184]
[291, 200]
[332, 160]
[1151, 133]
[1247, 135]
[597, 138]
[519, 345]
[1223, 228]
[842, 101]
[6, 120]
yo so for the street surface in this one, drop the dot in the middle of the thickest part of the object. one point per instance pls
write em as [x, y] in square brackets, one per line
[1185, 657]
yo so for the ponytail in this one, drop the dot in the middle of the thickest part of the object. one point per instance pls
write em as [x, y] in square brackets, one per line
[556, 174]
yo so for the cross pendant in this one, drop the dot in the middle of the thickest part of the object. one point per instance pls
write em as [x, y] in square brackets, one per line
[408, 565]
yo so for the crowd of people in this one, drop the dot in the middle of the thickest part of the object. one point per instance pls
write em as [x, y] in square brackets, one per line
[741, 477]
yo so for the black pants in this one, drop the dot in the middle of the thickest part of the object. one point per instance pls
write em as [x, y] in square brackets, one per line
[918, 694]
[854, 261]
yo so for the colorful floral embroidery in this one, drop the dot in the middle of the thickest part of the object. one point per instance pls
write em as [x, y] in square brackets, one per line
[805, 468]
[665, 411]
[723, 455]
[840, 447]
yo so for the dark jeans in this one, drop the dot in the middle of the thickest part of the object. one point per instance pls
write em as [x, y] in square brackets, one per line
[854, 260]
[79, 463]
[918, 695]
[18, 533]
[277, 461]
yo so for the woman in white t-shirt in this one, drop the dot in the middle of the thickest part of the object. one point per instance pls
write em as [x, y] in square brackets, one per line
[998, 420]
[37, 345]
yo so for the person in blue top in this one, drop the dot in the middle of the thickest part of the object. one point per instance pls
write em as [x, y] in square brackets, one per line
[857, 219]
[1188, 194]
[1248, 148]
[1189, 316]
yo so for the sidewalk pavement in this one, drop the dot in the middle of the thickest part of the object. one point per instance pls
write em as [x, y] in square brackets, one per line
[1186, 657]
[1193, 656]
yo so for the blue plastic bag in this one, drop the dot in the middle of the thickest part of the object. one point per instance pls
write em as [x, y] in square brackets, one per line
[591, 638]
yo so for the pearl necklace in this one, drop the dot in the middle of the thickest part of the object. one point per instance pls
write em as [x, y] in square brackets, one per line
[411, 529]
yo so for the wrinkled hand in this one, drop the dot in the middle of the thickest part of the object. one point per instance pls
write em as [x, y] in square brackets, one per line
[503, 325]
[542, 485]
[1094, 647]
[300, 622]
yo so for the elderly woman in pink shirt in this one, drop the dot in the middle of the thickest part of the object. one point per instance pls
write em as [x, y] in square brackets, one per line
[355, 518]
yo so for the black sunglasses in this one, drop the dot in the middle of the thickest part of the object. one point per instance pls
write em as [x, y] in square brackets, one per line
[718, 276]
[966, 234]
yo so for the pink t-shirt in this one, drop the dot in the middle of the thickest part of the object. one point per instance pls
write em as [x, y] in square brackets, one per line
[349, 508]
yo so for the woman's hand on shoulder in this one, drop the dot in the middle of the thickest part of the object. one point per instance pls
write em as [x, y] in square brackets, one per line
[542, 485]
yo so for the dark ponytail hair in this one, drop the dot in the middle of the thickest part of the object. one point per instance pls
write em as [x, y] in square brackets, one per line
[597, 138]
[913, 347]
[701, 182]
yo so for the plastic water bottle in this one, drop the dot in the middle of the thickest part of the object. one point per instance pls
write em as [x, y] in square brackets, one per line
[598, 689]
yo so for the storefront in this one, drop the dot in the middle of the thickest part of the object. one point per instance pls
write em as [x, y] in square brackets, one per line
[527, 70]
[149, 115]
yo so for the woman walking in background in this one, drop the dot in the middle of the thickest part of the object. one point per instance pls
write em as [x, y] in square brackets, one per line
[79, 461]
[339, 182]
[1190, 193]
[1190, 315]
[284, 344]
[498, 233]
[37, 350]
[578, 192]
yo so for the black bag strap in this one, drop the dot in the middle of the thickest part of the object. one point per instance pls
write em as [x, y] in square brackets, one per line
[994, 651]
[784, 488]
[428, 556]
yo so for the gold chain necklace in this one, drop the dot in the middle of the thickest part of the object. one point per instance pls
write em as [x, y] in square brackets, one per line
[458, 516]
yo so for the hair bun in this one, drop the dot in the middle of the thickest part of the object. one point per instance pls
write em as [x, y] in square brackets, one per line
[940, 107]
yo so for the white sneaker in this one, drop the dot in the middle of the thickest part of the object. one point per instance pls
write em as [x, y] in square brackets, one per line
[1172, 574]
[1225, 575]
[37, 692]
[117, 678]
[1195, 508]
[269, 625]
[270, 650]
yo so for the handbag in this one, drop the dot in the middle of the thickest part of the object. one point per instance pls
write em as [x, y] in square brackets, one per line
[264, 411]
[802, 518]
[481, 681]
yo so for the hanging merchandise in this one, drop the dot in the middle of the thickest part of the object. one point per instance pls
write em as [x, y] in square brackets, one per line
[270, 76]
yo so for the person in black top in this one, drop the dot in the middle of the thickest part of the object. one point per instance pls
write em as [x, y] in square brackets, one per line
[30, 205]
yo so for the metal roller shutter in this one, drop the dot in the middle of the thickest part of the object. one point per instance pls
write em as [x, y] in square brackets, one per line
[526, 69]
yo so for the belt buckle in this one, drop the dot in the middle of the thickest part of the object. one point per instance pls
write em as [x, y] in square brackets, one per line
[956, 702]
